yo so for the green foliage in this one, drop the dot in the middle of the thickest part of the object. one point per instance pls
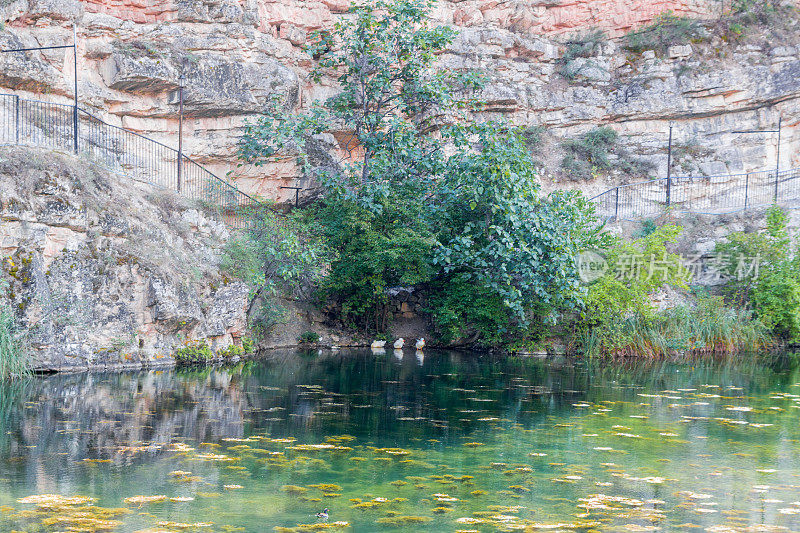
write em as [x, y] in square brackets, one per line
[465, 312]
[499, 233]
[277, 256]
[376, 249]
[231, 352]
[648, 227]
[14, 360]
[308, 337]
[532, 136]
[579, 45]
[667, 30]
[248, 345]
[590, 153]
[747, 12]
[416, 202]
[619, 300]
[770, 251]
[194, 353]
[277, 250]
[773, 288]
[776, 298]
[583, 44]
[707, 328]
[590, 149]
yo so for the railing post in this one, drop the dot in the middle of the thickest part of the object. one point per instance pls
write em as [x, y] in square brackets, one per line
[180, 132]
[616, 204]
[746, 187]
[778, 159]
[16, 117]
[669, 167]
[75, 66]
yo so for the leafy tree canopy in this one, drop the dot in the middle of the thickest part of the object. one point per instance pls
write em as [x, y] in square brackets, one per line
[422, 193]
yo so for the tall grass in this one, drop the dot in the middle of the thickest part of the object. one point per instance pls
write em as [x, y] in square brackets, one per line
[13, 356]
[709, 328]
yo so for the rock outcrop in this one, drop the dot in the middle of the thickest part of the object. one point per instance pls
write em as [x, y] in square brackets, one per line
[237, 54]
[105, 272]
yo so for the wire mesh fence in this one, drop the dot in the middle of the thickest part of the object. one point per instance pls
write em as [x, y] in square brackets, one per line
[698, 194]
[54, 126]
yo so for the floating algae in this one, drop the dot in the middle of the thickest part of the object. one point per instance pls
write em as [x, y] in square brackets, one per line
[142, 500]
[456, 473]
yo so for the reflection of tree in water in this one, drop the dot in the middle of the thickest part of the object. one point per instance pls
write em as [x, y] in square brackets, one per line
[52, 422]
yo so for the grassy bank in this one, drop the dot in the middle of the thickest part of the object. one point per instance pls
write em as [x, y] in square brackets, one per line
[709, 328]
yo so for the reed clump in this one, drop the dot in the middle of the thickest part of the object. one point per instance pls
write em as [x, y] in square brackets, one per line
[707, 328]
[14, 361]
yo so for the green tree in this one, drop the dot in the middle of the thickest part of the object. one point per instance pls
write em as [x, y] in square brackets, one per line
[423, 195]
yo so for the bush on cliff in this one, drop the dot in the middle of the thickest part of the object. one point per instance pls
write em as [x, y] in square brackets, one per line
[422, 195]
[665, 31]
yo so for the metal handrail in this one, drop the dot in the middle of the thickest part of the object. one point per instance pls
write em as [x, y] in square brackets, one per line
[698, 194]
[36, 122]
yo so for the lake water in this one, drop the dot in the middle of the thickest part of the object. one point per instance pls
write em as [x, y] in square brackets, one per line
[445, 442]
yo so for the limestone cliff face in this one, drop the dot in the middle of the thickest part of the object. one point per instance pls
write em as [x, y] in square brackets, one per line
[237, 53]
[106, 272]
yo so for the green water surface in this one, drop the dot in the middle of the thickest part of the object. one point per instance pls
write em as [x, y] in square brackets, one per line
[440, 442]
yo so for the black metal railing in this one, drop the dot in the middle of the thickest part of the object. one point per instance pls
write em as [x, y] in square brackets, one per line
[698, 194]
[51, 125]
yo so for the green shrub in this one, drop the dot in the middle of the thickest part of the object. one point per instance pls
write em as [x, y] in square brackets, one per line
[532, 136]
[376, 248]
[590, 152]
[746, 14]
[231, 351]
[763, 273]
[594, 146]
[776, 299]
[667, 30]
[248, 345]
[193, 353]
[277, 256]
[464, 311]
[14, 360]
[617, 304]
[579, 45]
[647, 228]
[308, 337]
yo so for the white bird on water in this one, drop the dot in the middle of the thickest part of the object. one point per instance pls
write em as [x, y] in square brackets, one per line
[420, 343]
[399, 343]
[378, 344]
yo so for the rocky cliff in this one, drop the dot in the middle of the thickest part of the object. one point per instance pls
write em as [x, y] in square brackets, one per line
[106, 272]
[235, 54]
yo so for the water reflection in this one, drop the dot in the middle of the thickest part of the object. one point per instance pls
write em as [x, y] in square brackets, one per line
[561, 423]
